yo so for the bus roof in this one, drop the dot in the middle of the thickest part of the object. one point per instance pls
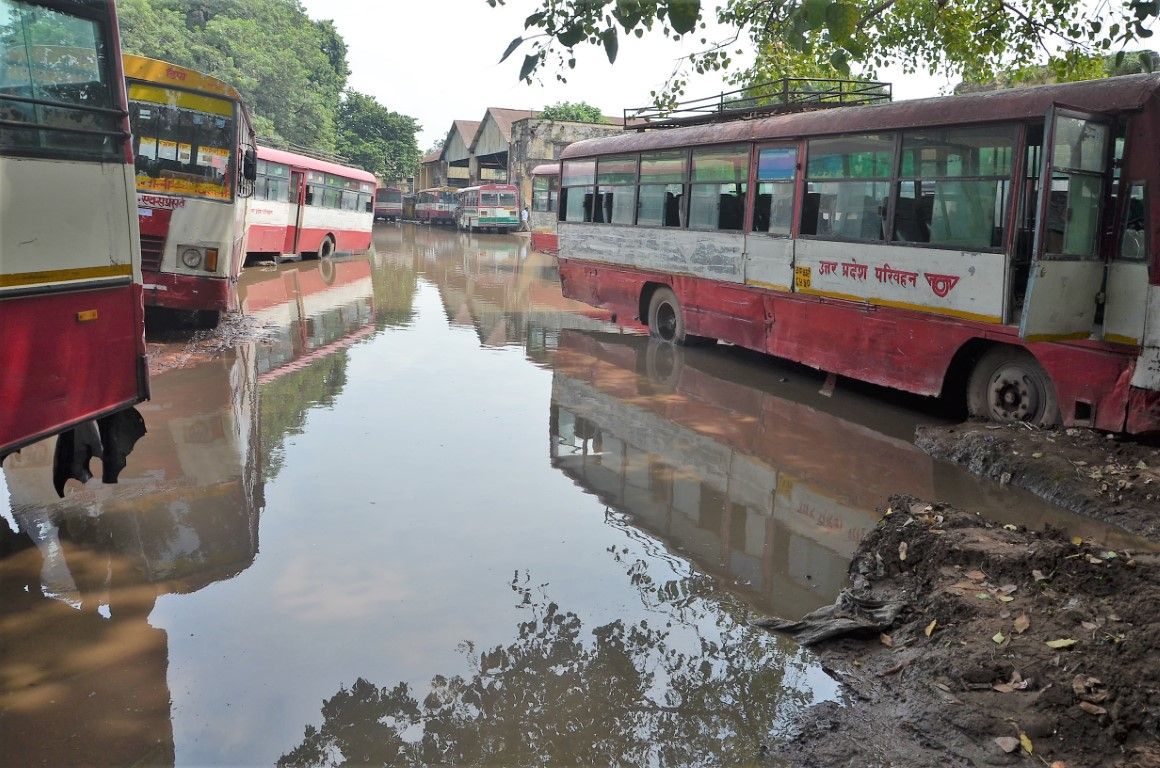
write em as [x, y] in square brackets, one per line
[546, 169]
[1117, 94]
[438, 189]
[489, 187]
[313, 164]
[157, 71]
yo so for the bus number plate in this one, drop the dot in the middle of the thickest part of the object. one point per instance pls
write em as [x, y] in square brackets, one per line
[801, 277]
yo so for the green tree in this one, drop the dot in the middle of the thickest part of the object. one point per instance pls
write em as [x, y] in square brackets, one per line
[1070, 67]
[290, 69]
[379, 140]
[972, 38]
[573, 112]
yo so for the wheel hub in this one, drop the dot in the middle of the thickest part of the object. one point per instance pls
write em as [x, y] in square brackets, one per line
[1013, 397]
[666, 322]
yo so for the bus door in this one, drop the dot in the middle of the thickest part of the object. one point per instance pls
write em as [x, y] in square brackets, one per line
[297, 199]
[1067, 270]
[769, 248]
[1127, 286]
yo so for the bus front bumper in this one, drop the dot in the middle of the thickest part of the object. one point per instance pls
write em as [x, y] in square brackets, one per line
[188, 292]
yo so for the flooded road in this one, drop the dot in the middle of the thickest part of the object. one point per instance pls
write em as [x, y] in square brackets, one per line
[430, 511]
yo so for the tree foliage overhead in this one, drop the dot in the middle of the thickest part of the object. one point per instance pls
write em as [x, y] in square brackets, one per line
[290, 69]
[381, 141]
[972, 38]
[574, 112]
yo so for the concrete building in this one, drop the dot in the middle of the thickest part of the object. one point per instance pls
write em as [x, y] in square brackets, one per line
[535, 141]
[458, 162]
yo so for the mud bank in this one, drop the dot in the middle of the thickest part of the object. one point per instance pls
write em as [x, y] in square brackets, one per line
[1105, 478]
[1009, 647]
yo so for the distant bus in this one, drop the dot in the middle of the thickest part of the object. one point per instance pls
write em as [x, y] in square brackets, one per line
[545, 195]
[70, 262]
[195, 163]
[488, 207]
[408, 207]
[388, 204]
[435, 205]
[304, 206]
[998, 248]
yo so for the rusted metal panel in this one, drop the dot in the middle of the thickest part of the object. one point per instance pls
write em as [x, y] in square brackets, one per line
[1127, 94]
[961, 284]
[713, 255]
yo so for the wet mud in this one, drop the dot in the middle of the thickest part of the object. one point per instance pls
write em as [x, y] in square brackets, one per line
[1105, 477]
[1011, 646]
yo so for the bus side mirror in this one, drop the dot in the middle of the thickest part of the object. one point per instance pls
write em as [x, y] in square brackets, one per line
[250, 165]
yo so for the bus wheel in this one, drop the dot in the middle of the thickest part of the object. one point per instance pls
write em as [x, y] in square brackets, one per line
[326, 249]
[1008, 384]
[665, 321]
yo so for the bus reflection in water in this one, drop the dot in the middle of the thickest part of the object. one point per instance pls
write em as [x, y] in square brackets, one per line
[992, 247]
[82, 575]
[73, 361]
[768, 491]
[195, 167]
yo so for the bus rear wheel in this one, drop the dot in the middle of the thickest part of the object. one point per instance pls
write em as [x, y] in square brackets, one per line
[1008, 384]
[665, 320]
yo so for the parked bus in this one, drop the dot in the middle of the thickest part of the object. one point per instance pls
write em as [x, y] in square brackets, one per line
[488, 206]
[545, 195]
[194, 153]
[388, 204]
[73, 361]
[910, 245]
[435, 205]
[305, 206]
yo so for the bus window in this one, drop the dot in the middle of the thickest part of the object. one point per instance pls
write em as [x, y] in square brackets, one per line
[773, 204]
[182, 141]
[544, 193]
[847, 187]
[615, 189]
[576, 190]
[1134, 240]
[717, 193]
[954, 186]
[662, 189]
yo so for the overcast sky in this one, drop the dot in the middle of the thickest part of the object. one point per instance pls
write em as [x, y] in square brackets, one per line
[436, 60]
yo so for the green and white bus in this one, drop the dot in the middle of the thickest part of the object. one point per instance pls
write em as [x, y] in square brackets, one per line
[493, 207]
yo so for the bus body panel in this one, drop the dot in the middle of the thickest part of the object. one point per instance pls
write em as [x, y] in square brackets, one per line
[95, 373]
[906, 350]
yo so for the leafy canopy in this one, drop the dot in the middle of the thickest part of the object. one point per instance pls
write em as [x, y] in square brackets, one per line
[575, 112]
[381, 141]
[971, 38]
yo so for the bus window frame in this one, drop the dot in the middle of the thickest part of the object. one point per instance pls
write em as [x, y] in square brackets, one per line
[795, 183]
[121, 135]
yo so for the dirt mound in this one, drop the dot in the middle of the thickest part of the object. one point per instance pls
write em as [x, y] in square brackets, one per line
[1009, 645]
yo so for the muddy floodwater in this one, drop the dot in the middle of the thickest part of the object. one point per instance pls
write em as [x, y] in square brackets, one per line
[420, 509]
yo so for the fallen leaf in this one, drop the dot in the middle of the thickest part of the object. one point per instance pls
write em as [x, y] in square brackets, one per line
[976, 576]
[1003, 687]
[1077, 540]
[1058, 764]
[1007, 589]
[1037, 455]
[886, 640]
[1090, 626]
[983, 596]
[1109, 555]
[998, 637]
[1009, 527]
[1092, 709]
[1006, 598]
[1022, 623]
[930, 627]
[1065, 642]
[1090, 558]
[1025, 741]
[902, 551]
[1038, 575]
[1007, 743]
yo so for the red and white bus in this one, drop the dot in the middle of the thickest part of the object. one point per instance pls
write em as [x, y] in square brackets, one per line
[489, 207]
[70, 262]
[305, 206]
[194, 152]
[435, 205]
[388, 204]
[912, 245]
[545, 196]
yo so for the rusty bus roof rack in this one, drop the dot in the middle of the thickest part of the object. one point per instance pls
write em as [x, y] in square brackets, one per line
[789, 94]
[298, 149]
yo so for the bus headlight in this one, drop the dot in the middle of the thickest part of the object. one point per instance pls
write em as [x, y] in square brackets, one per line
[190, 256]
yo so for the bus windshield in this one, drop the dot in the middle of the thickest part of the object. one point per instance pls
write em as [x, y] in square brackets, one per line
[182, 141]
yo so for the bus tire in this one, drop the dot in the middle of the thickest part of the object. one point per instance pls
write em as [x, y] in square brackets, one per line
[1008, 384]
[326, 247]
[665, 319]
